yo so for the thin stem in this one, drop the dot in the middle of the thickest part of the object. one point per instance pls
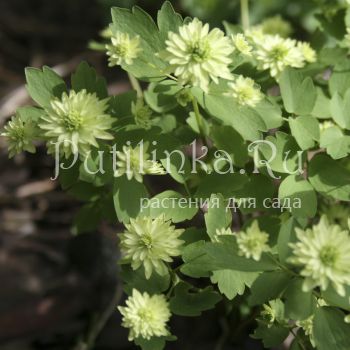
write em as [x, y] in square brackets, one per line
[135, 85]
[245, 14]
[299, 340]
[100, 322]
[198, 119]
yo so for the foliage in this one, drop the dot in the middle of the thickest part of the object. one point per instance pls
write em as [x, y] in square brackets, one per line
[220, 170]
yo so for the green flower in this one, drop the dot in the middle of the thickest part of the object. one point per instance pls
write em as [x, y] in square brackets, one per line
[307, 326]
[20, 136]
[323, 252]
[123, 49]
[245, 91]
[75, 122]
[253, 242]
[198, 55]
[273, 312]
[150, 243]
[276, 25]
[241, 44]
[307, 51]
[142, 114]
[275, 54]
[146, 316]
[135, 162]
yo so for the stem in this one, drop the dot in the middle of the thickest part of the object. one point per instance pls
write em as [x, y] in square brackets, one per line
[199, 119]
[299, 340]
[100, 322]
[135, 85]
[245, 14]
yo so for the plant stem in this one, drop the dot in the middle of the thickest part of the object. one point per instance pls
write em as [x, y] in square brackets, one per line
[99, 323]
[199, 119]
[245, 14]
[135, 85]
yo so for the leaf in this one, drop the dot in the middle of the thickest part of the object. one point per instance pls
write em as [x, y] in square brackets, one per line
[168, 20]
[329, 178]
[127, 197]
[270, 112]
[244, 120]
[29, 113]
[228, 139]
[225, 184]
[281, 153]
[258, 188]
[187, 303]
[339, 81]
[286, 236]
[173, 205]
[299, 305]
[271, 336]
[322, 106]
[161, 96]
[85, 78]
[306, 131]
[87, 219]
[156, 284]
[232, 283]
[137, 22]
[334, 299]
[225, 255]
[298, 93]
[330, 330]
[340, 109]
[218, 216]
[268, 286]
[336, 143]
[155, 343]
[43, 85]
[296, 189]
[120, 105]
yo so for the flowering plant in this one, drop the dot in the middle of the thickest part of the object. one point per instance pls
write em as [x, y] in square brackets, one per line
[228, 167]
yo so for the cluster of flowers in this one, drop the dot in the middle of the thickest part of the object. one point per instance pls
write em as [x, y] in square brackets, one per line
[197, 56]
[322, 253]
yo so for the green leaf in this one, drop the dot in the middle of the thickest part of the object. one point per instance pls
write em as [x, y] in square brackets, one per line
[339, 81]
[270, 112]
[173, 205]
[286, 236]
[340, 109]
[330, 330]
[156, 284]
[161, 96]
[155, 343]
[322, 106]
[218, 216]
[137, 22]
[30, 113]
[268, 286]
[244, 120]
[299, 305]
[298, 93]
[271, 336]
[127, 197]
[336, 143]
[334, 299]
[225, 184]
[259, 187]
[85, 78]
[225, 255]
[232, 283]
[295, 189]
[228, 139]
[87, 219]
[283, 154]
[329, 178]
[168, 20]
[120, 105]
[305, 130]
[188, 303]
[43, 85]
